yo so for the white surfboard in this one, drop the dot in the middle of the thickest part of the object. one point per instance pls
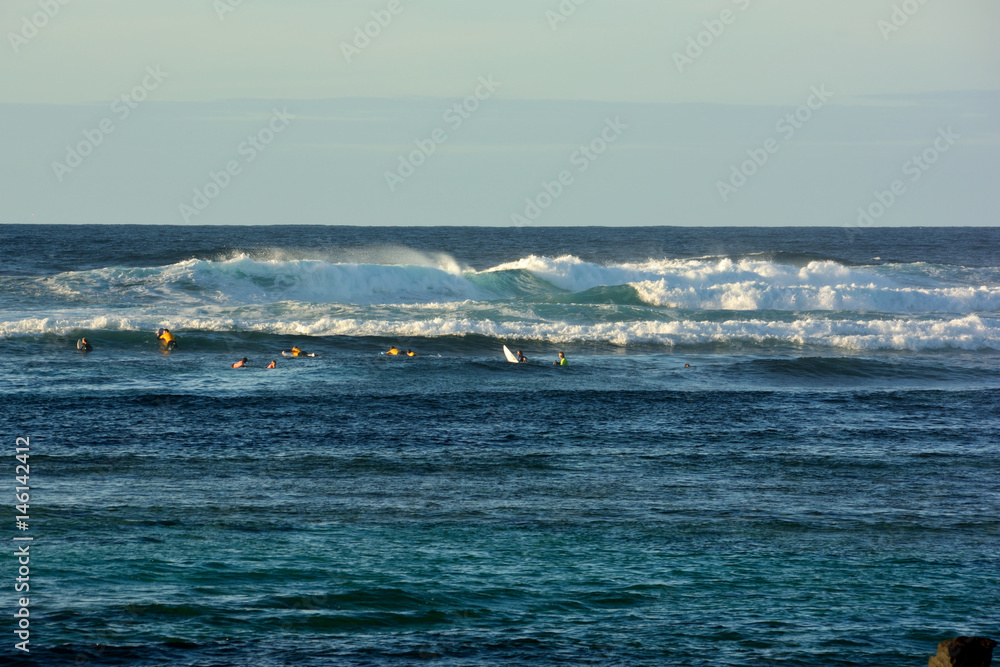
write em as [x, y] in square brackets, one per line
[510, 355]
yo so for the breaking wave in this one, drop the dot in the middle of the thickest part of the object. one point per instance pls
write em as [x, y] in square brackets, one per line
[704, 301]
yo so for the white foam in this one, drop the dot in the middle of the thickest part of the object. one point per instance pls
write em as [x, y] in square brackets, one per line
[750, 284]
[64, 324]
[886, 307]
[699, 284]
[246, 280]
[969, 332]
[382, 255]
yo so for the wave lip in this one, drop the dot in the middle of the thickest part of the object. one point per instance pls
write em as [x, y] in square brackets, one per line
[699, 284]
[762, 284]
[245, 280]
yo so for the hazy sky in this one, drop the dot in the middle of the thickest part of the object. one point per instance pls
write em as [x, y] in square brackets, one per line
[738, 112]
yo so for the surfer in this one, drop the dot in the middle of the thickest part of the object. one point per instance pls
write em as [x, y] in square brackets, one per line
[393, 350]
[166, 339]
[241, 363]
[273, 364]
[84, 346]
[520, 357]
[296, 352]
[410, 353]
[561, 361]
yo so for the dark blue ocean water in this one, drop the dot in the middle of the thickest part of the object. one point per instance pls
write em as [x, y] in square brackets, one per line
[770, 446]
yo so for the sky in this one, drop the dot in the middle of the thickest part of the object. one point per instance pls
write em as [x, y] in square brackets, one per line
[500, 112]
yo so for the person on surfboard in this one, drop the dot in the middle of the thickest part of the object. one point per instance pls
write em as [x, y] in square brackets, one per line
[241, 363]
[520, 357]
[84, 346]
[393, 350]
[273, 364]
[561, 361]
[410, 353]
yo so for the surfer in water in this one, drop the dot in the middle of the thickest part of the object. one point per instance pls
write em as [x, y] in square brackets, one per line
[166, 339]
[393, 350]
[84, 346]
[561, 361]
[273, 364]
[520, 357]
[241, 363]
[410, 353]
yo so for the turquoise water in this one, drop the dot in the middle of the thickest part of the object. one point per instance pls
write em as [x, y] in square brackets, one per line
[817, 487]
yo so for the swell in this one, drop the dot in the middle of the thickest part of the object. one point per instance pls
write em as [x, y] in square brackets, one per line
[783, 283]
[851, 370]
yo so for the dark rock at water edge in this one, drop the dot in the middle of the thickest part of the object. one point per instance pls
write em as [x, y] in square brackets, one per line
[964, 652]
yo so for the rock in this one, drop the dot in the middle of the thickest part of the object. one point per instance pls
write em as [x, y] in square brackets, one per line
[964, 652]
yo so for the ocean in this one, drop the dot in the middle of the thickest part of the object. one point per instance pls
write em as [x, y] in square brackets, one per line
[769, 446]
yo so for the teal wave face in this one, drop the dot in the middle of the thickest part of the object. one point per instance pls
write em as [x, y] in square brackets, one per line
[691, 302]
[616, 295]
[514, 283]
[715, 284]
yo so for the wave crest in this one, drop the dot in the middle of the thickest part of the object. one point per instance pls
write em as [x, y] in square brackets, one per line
[757, 284]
